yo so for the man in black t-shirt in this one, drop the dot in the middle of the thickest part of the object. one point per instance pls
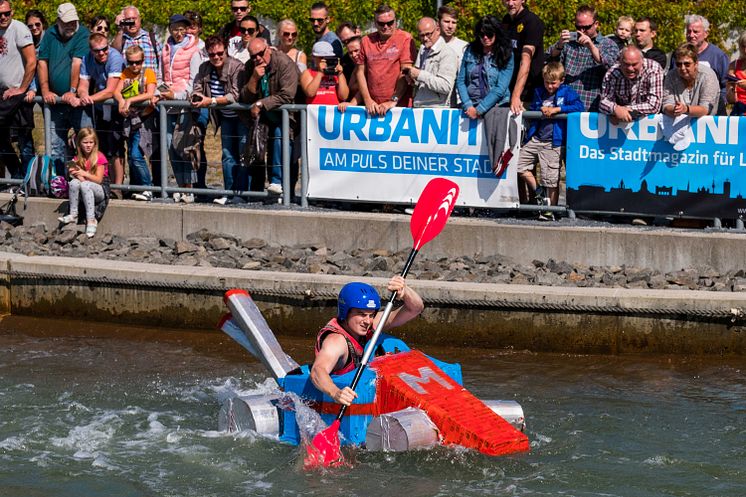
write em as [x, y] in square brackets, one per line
[526, 33]
[645, 31]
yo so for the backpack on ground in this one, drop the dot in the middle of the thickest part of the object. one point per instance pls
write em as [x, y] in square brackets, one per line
[39, 174]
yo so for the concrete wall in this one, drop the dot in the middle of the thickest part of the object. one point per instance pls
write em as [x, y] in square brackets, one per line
[662, 249]
[191, 297]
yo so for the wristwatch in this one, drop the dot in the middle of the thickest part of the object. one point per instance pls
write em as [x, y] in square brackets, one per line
[394, 99]
[214, 101]
[73, 89]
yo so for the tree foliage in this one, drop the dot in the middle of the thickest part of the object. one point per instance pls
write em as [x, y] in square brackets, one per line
[726, 17]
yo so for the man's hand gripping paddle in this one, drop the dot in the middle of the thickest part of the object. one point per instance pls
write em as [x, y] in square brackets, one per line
[430, 215]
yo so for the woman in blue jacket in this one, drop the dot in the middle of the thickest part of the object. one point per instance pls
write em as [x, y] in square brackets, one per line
[486, 69]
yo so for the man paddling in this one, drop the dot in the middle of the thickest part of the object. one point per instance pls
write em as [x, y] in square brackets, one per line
[341, 343]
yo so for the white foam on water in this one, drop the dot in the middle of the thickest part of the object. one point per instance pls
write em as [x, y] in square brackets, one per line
[87, 439]
[14, 443]
[103, 462]
[661, 460]
[540, 440]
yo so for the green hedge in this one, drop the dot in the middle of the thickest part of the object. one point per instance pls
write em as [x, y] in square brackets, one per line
[726, 17]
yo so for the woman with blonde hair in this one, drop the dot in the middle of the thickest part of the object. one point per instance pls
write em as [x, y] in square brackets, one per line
[287, 36]
[88, 170]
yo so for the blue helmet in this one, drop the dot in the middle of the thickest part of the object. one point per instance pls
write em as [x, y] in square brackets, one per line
[356, 296]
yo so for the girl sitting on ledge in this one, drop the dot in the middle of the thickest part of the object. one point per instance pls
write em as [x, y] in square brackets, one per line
[88, 171]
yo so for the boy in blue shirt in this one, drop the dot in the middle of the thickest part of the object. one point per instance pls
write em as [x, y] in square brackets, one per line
[545, 139]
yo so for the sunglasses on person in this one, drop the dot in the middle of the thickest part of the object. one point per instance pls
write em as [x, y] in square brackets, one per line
[249, 31]
[687, 63]
[387, 24]
[135, 62]
[6, 13]
[101, 28]
[485, 34]
[239, 9]
[259, 55]
[584, 28]
[33, 25]
[216, 54]
[290, 35]
[100, 50]
[316, 20]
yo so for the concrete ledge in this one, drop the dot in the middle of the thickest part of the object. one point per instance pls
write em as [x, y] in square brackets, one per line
[662, 249]
[63, 293]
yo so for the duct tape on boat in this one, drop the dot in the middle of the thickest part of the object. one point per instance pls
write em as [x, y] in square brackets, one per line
[400, 431]
[510, 410]
[255, 412]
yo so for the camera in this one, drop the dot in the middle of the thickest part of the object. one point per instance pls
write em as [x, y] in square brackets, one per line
[573, 36]
[196, 98]
[126, 24]
[405, 70]
[331, 66]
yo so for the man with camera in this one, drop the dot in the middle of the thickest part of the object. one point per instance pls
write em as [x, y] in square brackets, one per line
[384, 55]
[131, 33]
[586, 55]
[434, 72]
[633, 87]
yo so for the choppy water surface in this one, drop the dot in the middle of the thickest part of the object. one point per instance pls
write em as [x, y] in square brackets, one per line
[127, 412]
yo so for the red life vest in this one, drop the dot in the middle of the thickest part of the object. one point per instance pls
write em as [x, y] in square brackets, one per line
[355, 349]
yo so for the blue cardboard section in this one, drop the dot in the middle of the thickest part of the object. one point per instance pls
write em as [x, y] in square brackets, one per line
[353, 427]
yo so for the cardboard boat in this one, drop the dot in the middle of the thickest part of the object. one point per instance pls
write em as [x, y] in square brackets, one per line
[406, 399]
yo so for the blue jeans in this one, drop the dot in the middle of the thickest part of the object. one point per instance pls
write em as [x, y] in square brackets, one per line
[275, 138]
[63, 117]
[233, 135]
[139, 171]
[26, 146]
[183, 171]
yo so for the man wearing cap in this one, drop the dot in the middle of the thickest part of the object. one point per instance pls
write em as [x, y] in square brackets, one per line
[341, 343]
[434, 72]
[61, 54]
[17, 67]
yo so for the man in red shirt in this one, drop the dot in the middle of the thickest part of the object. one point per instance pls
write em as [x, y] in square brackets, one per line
[383, 57]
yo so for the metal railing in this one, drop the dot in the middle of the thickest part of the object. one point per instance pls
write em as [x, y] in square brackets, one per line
[164, 190]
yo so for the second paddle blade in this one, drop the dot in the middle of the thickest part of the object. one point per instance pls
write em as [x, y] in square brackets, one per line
[433, 208]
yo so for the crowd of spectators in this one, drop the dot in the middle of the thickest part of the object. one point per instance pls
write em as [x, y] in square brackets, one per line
[504, 65]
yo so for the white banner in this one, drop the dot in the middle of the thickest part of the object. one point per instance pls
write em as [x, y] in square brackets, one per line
[390, 159]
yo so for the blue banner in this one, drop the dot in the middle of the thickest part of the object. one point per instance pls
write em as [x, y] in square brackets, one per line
[634, 169]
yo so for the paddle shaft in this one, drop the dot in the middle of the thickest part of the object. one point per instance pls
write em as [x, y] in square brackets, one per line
[370, 347]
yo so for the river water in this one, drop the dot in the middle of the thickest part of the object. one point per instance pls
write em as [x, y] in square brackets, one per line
[88, 410]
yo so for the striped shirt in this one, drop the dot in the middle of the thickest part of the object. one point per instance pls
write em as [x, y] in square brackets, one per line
[643, 94]
[218, 90]
[144, 41]
[583, 74]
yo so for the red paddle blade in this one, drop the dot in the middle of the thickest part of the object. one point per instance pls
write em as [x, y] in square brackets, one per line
[325, 449]
[433, 208]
